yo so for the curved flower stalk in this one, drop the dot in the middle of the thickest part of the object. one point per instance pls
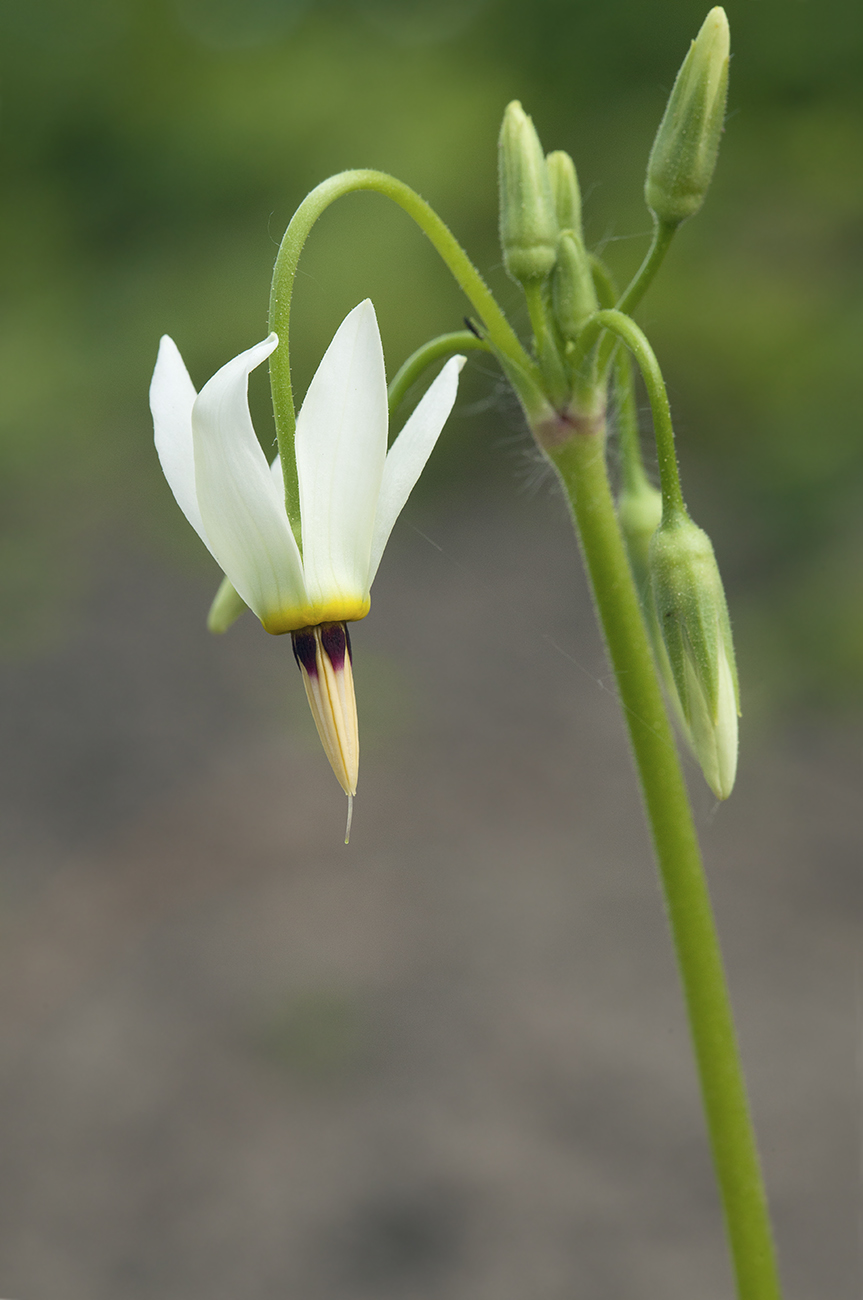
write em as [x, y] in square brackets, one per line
[352, 490]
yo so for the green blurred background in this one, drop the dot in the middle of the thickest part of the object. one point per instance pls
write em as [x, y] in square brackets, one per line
[151, 154]
[449, 1063]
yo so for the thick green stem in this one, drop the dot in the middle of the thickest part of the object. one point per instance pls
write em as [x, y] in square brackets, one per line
[445, 345]
[497, 327]
[581, 466]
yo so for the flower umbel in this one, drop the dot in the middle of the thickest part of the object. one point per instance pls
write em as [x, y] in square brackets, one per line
[352, 490]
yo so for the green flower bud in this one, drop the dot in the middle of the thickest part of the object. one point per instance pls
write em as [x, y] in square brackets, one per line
[572, 287]
[683, 156]
[690, 607]
[528, 226]
[639, 510]
[565, 194]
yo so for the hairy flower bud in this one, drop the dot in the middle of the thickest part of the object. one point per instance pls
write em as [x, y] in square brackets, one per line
[683, 157]
[528, 226]
[573, 290]
[692, 615]
[565, 194]
[639, 510]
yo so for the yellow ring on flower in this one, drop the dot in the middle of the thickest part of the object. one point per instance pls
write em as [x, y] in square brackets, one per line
[347, 610]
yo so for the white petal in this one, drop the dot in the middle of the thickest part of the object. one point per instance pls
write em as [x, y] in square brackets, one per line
[172, 396]
[408, 455]
[341, 448]
[714, 739]
[241, 503]
[726, 728]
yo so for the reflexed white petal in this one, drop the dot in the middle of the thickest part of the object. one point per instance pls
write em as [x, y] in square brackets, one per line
[172, 396]
[226, 608]
[407, 457]
[242, 508]
[341, 447]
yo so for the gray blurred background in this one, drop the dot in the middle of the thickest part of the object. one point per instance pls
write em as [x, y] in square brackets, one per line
[237, 1058]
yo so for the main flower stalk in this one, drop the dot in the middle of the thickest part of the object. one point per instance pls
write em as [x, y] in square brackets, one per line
[581, 467]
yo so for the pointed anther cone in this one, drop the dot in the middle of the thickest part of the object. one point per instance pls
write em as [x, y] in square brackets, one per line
[323, 654]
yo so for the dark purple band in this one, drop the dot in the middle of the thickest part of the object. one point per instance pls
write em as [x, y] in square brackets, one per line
[334, 640]
[305, 651]
[335, 643]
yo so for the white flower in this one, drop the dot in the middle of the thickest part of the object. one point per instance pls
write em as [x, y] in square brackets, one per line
[351, 493]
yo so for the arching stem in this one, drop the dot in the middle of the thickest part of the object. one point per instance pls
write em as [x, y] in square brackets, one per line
[445, 345]
[497, 328]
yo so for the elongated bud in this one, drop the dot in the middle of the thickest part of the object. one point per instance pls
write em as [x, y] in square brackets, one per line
[565, 194]
[573, 290]
[528, 227]
[323, 654]
[683, 156]
[692, 615]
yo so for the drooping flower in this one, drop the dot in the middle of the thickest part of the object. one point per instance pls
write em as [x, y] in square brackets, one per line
[351, 492]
